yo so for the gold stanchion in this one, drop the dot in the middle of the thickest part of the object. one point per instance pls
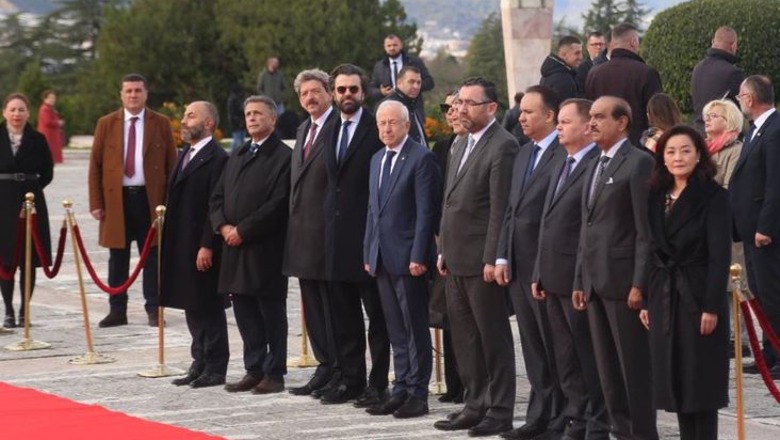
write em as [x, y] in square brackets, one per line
[437, 388]
[161, 370]
[736, 293]
[90, 358]
[27, 343]
[304, 360]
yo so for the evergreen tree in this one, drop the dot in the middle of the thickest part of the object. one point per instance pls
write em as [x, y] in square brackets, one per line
[634, 13]
[603, 15]
[485, 56]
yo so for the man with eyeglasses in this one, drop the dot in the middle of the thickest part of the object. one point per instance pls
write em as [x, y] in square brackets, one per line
[475, 199]
[716, 76]
[353, 141]
[407, 92]
[596, 48]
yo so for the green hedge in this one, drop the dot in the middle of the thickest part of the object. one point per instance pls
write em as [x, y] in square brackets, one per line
[679, 37]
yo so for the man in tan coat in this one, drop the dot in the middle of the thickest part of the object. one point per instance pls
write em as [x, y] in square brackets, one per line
[133, 154]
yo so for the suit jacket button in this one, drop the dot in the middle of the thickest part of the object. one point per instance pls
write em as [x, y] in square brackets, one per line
[338, 190]
[590, 223]
[337, 213]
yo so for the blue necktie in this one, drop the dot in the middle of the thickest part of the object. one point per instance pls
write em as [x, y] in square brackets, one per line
[529, 169]
[387, 168]
[564, 175]
[344, 140]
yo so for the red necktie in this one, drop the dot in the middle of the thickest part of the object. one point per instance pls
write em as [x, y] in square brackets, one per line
[130, 158]
[312, 134]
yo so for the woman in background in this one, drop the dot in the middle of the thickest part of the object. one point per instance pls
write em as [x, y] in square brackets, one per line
[662, 114]
[50, 124]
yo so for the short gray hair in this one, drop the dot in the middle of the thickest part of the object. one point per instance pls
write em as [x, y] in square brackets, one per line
[211, 112]
[264, 99]
[311, 75]
[394, 103]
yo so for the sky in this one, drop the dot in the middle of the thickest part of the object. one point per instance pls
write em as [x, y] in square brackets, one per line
[572, 10]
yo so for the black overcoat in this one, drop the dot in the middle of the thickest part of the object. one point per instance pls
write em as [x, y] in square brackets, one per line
[688, 275]
[346, 201]
[187, 229]
[33, 157]
[253, 195]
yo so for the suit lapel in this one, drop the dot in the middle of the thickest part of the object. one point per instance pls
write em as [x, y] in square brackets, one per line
[147, 130]
[396, 171]
[576, 173]
[200, 159]
[457, 149]
[474, 155]
[612, 167]
[547, 156]
[754, 140]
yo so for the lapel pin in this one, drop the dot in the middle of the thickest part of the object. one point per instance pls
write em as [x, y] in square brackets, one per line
[609, 181]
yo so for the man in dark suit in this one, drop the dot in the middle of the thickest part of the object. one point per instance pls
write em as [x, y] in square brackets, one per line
[611, 262]
[517, 248]
[755, 198]
[595, 44]
[716, 76]
[408, 92]
[475, 200]
[304, 255]
[554, 275]
[133, 155]
[353, 141]
[191, 249]
[249, 208]
[384, 77]
[626, 76]
[403, 209]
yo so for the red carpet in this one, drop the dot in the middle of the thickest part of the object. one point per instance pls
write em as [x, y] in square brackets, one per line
[28, 414]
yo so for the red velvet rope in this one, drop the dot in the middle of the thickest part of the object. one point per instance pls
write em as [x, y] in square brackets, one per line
[9, 276]
[757, 353]
[765, 325]
[44, 260]
[118, 289]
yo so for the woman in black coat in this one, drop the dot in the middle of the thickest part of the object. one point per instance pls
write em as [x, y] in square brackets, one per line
[686, 308]
[25, 166]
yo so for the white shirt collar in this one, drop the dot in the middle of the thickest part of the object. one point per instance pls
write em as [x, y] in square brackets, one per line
[355, 117]
[613, 149]
[321, 120]
[398, 147]
[478, 135]
[129, 115]
[761, 119]
[545, 142]
[197, 146]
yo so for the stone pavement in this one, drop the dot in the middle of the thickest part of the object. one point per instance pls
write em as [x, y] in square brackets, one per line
[57, 319]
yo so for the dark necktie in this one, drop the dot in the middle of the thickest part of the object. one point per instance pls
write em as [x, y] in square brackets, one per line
[387, 168]
[312, 134]
[186, 159]
[529, 169]
[395, 73]
[748, 141]
[564, 175]
[130, 157]
[344, 140]
[597, 179]
[253, 149]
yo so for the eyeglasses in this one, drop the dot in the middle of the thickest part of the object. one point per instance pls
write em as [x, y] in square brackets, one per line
[742, 94]
[445, 108]
[710, 116]
[470, 103]
[343, 89]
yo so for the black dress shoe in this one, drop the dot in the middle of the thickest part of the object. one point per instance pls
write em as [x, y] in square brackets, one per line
[574, 430]
[490, 426]
[319, 392]
[388, 407]
[371, 397]
[525, 432]
[154, 319]
[9, 321]
[340, 394]
[413, 407]
[113, 319]
[457, 423]
[245, 384]
[774, 372]
[208, 380]
[451, 397]
[186, 380]
[317, 381]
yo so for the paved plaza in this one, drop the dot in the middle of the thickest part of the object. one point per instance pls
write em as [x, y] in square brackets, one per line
[57, 319]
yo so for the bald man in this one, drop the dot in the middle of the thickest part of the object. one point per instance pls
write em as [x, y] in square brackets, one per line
[716, 76]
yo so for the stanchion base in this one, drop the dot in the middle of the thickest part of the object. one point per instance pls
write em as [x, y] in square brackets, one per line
[436, 389]
[6, 331]
[161, 370]
[304, 361]
[27, 345]
[91, 358]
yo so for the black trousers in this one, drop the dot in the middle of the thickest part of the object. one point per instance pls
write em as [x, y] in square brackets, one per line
[622, 351]
[7, 289]
[210, 350]
[262, 324]
[479, 322]
[545, 399]
[451, 376]
[576, 365]
[763, 271]
[698, 426]
[137, 224]
[316, 308]
[349, 332]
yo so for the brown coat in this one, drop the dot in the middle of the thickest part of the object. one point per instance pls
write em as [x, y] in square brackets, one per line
[106, 168]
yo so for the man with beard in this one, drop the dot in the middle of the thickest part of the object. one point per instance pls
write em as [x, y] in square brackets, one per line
[304, 255]
[407, 92]
[190, 251]
[347, 158]
[386, 73]
[249, 209]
